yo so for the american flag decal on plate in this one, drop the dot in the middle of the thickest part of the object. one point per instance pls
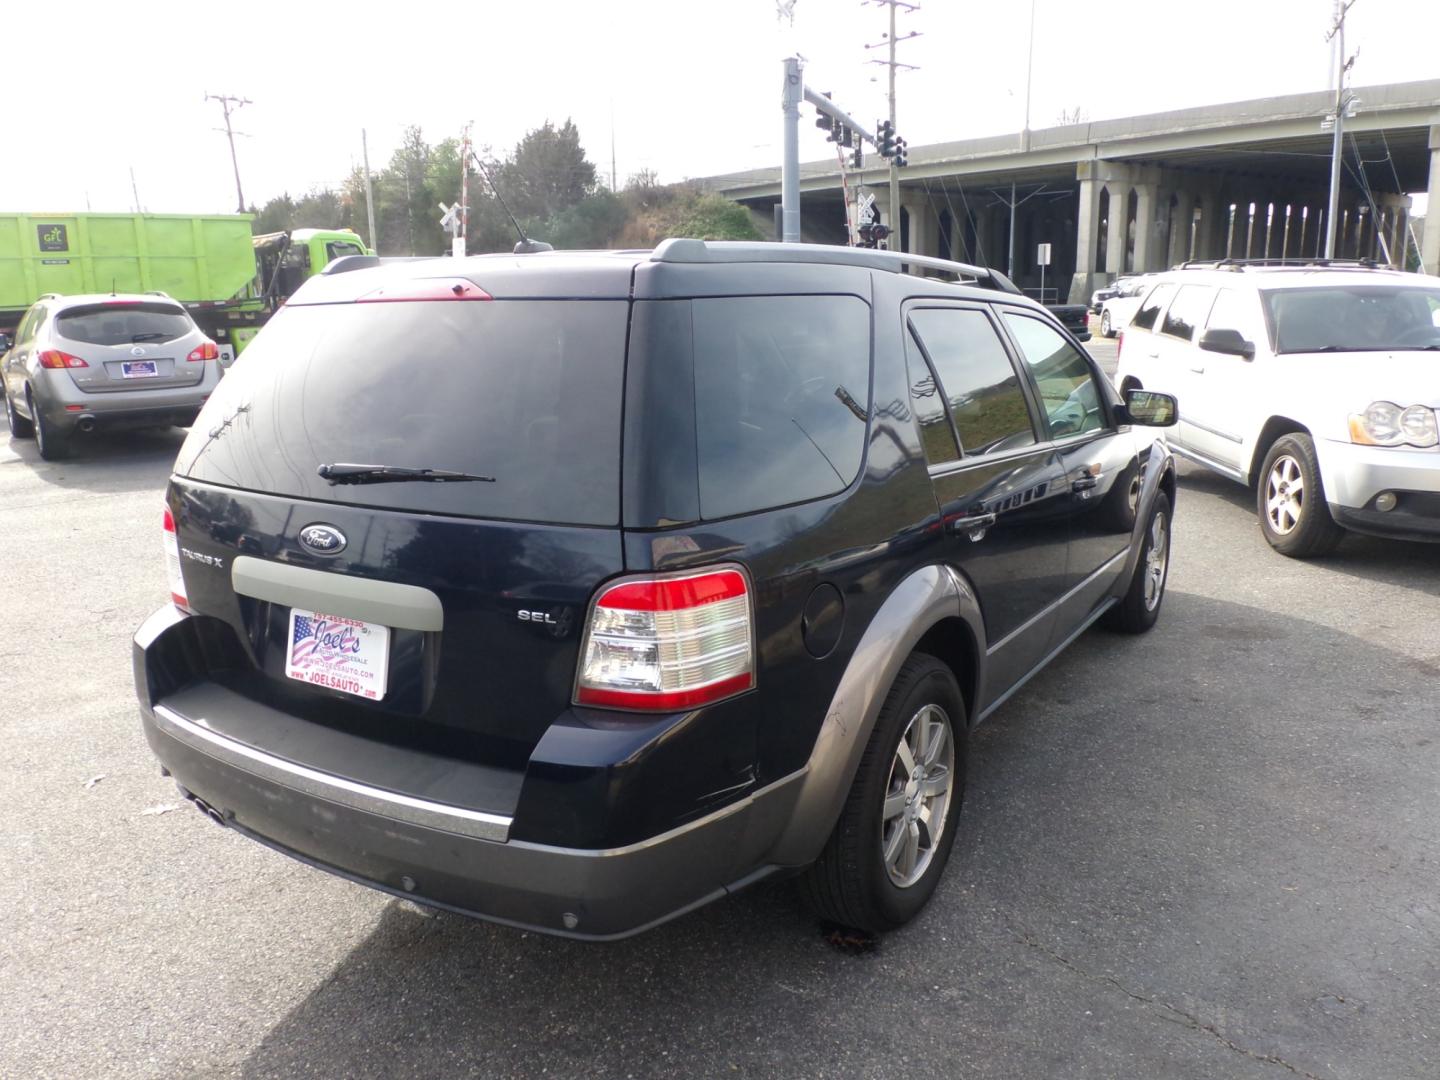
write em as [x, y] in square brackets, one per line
[337, 653]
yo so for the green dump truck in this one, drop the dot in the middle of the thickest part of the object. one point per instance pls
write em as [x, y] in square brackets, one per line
[231, 281]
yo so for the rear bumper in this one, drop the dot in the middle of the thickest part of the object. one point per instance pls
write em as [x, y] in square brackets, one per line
[439, 855]
[64, 404]
[311, 797]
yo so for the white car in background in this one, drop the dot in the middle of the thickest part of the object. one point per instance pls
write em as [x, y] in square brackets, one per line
[1318, 385]
[1117, 311]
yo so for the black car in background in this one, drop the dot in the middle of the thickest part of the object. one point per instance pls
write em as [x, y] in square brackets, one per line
[574, 591]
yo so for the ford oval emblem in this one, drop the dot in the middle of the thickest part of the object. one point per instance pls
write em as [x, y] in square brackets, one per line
[323, 539]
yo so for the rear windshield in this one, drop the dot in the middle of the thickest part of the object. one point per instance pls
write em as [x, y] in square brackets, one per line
[123, 323]
[1356, 318]
[526, 391]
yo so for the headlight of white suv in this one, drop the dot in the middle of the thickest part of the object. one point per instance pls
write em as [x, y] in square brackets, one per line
[1384, 423]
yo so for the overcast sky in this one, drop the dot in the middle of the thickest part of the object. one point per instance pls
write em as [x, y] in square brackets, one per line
[91, 90]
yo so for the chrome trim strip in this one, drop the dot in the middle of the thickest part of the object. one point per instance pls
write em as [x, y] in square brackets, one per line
[407, 607]
[1050, 608]
[371, 800]
[1211, 431]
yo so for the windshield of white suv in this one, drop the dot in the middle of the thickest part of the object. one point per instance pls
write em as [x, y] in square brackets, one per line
[1353, 318]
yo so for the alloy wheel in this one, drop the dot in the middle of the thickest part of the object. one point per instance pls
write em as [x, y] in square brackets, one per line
[1157, 559]
[922, 776]
[1284, 495]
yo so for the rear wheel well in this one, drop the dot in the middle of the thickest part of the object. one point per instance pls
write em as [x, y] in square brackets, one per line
[1274, 428]
[952, 643]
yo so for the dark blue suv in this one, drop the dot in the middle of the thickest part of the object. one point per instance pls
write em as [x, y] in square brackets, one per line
[575, 591]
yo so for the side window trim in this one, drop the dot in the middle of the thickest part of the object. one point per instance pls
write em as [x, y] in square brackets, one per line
[1096, 376]
[1017, 363]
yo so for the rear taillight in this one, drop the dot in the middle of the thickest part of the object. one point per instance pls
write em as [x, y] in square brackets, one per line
[208, 351]
[54, 358]
[668, 643]
[172, 562]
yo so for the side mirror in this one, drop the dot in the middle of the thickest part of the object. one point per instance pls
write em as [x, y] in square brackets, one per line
[1149, 409]
[1229, 342]
[4, 343]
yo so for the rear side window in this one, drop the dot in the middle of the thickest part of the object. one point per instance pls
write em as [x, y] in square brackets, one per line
[977, 380]
[525, 391]
[782, 396]
[936, 434]
[1149, 311]
[123, 323]
[1192, 304]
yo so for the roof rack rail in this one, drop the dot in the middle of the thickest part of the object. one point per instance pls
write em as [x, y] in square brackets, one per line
[48, 296]
[157, 292]
[1315, 263]
[677, 250]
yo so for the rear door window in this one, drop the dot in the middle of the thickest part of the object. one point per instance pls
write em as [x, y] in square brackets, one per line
[1149, 312]
[782, 398]
[525, 391]
[977, 380]
[123, 323]
[937, 437]
[1191, 306]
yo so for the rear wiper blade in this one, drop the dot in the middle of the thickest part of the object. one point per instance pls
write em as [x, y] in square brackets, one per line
[135, 339]
[345, 473]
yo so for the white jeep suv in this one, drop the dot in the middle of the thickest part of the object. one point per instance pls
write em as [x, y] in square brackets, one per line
[1316, 384]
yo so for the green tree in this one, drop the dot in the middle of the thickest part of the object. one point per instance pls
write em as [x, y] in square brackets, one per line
[547, 173]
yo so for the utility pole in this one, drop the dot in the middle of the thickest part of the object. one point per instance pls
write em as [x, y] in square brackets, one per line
[1343, 100]
[134, 189]
[893, 65]
[228, 104]
[459, 243]
[369, 192]
[791, 96]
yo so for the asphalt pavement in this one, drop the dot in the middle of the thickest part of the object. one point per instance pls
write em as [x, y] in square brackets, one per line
[1210, 851]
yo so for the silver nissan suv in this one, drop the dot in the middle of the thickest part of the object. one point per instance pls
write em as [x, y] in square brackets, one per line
[82, 363]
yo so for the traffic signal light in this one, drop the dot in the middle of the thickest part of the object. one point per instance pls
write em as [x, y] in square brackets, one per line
[826, 123]
[885, 138]
[845, 137]
[901, 158]
[857, 160]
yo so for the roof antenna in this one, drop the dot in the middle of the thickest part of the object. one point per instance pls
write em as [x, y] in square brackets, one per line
[112, 286]
[526, 246]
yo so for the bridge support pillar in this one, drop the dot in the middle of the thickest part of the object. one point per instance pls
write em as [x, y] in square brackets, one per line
[1087, 233]
[1115, 242]
[1146, 220]
[1430, 243]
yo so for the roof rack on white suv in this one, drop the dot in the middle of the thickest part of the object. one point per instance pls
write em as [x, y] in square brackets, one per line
[1292, 264]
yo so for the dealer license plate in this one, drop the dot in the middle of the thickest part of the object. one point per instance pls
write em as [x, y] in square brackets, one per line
[338, 653]
[138, 369]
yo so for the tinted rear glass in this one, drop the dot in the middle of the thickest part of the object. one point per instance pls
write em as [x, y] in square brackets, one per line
[123, 324]
[782, 392]
[525, 391]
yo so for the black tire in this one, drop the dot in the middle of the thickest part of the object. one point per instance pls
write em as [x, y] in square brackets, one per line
[1311, 530]
[52, 445]
[851, 884]
[20, 428]
[1139, 608]
[1105, 329]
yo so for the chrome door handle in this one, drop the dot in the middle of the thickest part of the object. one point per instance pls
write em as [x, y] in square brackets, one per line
[1198, 370]
[1153, 355]
[973, 526]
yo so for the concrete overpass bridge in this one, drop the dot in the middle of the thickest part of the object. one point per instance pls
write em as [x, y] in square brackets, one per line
[1246, 179]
